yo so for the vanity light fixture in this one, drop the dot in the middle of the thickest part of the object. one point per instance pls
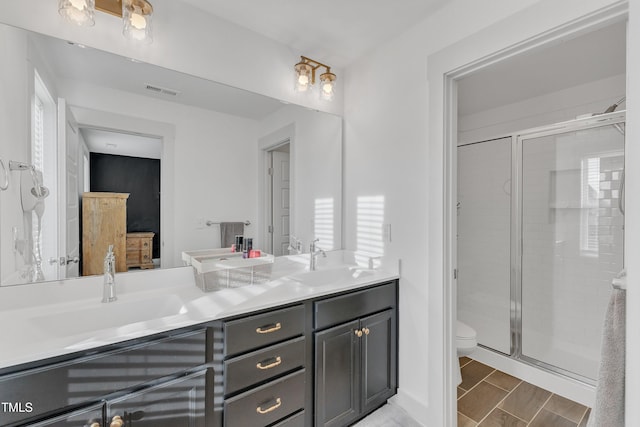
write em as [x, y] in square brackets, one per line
[136, 15]
[306, 77]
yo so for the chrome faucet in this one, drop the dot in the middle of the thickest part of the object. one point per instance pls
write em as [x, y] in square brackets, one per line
[294, 244]
[313, 253]
[109, 286]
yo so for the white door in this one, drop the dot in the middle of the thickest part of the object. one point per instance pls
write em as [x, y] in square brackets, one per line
[69, 224]
[280, 201]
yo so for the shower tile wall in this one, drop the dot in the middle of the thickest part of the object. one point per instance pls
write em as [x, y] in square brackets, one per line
[572, 244]
[484, 172]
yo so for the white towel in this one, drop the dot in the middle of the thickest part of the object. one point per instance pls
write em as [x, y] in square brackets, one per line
[608, 410]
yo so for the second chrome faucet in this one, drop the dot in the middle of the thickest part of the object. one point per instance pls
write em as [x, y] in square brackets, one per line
[313, 253]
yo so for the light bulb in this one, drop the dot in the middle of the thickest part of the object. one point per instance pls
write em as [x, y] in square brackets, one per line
[78, 4]
[138, 21]
[303, 80]
[327, 88]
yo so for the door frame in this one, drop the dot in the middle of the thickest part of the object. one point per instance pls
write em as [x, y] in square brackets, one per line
[113, 122]
[266, 144]
[448, 68]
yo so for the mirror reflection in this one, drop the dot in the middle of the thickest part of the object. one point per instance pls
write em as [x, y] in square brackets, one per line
[101, 150]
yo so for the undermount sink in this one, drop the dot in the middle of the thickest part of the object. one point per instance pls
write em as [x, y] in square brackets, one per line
[331, 275]
[108, 315]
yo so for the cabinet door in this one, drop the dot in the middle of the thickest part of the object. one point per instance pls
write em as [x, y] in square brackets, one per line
[88, 417]
[177, 403]
[337, 375]
[378, 359]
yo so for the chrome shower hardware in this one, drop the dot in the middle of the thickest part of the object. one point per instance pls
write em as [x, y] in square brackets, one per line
[5, 172]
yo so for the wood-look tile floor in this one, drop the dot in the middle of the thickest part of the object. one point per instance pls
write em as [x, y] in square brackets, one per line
[490, 398]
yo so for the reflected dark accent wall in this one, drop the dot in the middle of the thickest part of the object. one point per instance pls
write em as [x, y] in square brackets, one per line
[141, 179]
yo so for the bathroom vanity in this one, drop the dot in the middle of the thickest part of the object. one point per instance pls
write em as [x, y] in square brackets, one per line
[312, 348]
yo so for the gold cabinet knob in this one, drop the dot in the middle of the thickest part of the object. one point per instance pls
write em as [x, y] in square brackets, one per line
[94, 425]
[366, 331]
[358, 333]
[116, 421]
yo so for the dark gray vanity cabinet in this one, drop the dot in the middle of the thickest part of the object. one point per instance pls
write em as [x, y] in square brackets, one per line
[326, 361]
[139, 377]
[355, 354]
[265, 368]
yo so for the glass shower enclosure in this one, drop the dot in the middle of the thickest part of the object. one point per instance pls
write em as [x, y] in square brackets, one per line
[540, 236]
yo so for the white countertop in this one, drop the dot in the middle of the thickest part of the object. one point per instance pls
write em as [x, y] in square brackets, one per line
[51, 319]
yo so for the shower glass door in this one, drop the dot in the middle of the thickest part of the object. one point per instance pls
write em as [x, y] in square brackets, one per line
[571, 231]
[484, 265]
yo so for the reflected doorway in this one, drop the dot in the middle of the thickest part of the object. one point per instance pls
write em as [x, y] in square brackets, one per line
[278, 196]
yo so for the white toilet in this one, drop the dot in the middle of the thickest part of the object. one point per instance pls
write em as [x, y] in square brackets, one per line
[466, 342]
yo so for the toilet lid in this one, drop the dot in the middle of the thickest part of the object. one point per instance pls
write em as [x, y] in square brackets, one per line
[465, 332]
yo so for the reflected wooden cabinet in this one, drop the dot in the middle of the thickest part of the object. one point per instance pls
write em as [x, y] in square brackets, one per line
[140, 250]
[104, 223]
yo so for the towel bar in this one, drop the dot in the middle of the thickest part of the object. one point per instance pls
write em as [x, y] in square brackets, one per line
[620, 281]
[209, 223]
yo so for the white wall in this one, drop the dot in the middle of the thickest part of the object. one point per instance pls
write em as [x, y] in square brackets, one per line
[393, 147]
[316, 162]
[185, 39]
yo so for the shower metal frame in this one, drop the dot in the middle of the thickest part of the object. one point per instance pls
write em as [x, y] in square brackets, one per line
[607, 119]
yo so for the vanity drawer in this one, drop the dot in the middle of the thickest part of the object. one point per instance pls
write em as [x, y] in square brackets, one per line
[336, 310]
[263, 329]
[262, 365]
[267, 404]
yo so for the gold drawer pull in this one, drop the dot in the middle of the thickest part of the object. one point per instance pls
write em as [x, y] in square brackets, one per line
[366, 331]
[270, 328]
[358, 333]
[278, 360]
[270, 408]
[116, 421]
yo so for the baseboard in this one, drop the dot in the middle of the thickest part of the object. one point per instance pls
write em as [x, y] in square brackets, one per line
[417, 410]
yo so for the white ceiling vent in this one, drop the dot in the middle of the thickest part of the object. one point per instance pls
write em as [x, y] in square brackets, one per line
[162, 90]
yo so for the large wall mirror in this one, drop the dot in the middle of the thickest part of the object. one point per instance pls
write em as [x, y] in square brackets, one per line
[195, 157]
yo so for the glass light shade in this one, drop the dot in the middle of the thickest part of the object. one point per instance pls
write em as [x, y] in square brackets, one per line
[78, 12]
[137, 20]
[327, 86]
[303, 76]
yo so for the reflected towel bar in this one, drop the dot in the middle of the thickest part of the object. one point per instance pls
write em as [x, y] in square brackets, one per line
[210, 223]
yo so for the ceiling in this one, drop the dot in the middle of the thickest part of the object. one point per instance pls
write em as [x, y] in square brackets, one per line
[568, 63]
[92, 66]
[122, 144]
[335, 32]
